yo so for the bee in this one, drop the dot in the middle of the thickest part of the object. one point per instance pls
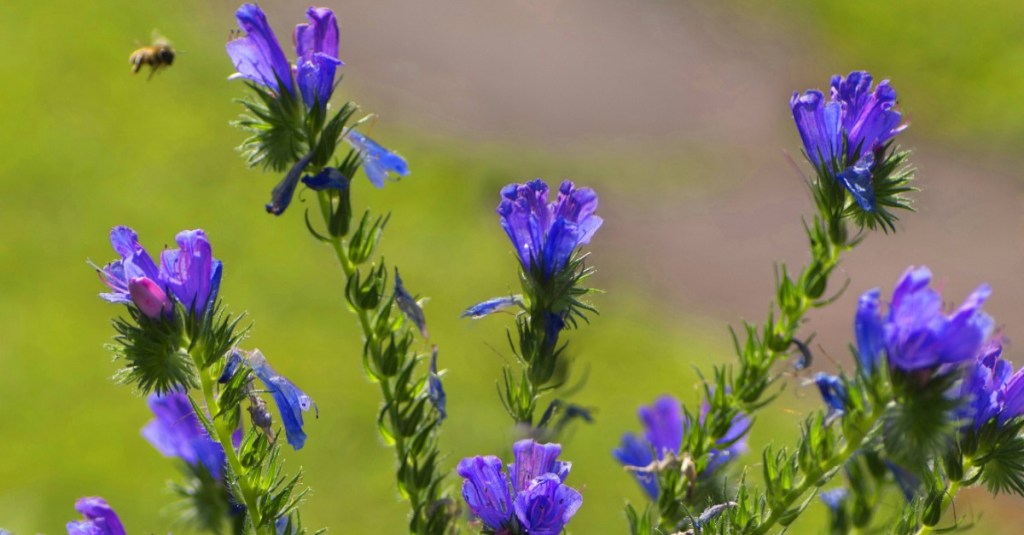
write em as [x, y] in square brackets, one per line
[159, 55]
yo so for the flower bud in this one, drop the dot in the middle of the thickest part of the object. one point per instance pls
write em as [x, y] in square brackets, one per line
[151, 300]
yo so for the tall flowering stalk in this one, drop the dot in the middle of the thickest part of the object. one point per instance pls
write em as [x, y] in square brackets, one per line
[177, 344]
[291, 133]
[547, 237]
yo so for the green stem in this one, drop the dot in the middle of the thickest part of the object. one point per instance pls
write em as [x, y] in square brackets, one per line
[813, 480]
[249, 495]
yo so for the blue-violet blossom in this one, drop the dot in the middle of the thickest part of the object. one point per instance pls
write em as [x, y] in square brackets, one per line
[291, 402]
[378, 162]
[916, 334]
[544, 234]
[177, 432]
[664, 424]
[98, 518]
[190, 274]
[533, 489]
[849, 130]
[990, 389]
[257, 55]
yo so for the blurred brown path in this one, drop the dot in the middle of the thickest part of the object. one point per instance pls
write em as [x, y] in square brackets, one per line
[700, 80]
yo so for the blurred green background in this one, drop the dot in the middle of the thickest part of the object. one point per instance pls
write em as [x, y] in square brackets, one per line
[675, 111]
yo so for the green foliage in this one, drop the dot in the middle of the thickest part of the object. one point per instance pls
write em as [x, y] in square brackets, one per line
[277, 125]
[153, 353]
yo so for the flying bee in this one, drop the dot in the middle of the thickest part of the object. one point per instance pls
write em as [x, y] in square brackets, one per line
[159, 55]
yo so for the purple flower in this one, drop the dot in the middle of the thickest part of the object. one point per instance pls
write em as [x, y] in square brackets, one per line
[544, 234]
[848, 131]
[534, 489]
[664, 426]
[177, 432]
[547, 505]
[291, 402]
[98, 519]
[316, 44]
[190, 274]
[378, 162]
[990, 389]
[916, 334]
[257, 55]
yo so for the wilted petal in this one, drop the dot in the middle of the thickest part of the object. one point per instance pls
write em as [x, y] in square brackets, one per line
[492, 305]
[291, 402]
[329, 178]
[435, 390]
[486, 490]
[234, 361]
[257, 55]
[408, 305]
[281, 195]
[547, 506]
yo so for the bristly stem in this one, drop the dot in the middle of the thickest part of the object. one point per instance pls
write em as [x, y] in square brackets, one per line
[813, 479]
[223, 437]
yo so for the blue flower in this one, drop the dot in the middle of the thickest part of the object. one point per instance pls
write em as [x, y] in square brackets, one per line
[435, 390]
[545, 235]
[190, 274]
[915, 333]
[316, 44]
[257, 55]
[493, 305]
[177, 432]
[990, 389]
[834, 499]
[848, 131]
[98, 519]
[291, 402]
[664, 425]
[546, 506]
[329, 178]
[408, 305]
[378, 162]
[534, 489]
[833, 392]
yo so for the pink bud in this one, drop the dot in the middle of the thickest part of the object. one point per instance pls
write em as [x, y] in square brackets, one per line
[148, 296]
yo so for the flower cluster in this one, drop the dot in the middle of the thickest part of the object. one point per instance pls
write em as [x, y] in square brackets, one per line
[190, 275]
[846, 134]
[664, 426]
[98, 519]
[530, 498]
[545, 235]
[916, 334]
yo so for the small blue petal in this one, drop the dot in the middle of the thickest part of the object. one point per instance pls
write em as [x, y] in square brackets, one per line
[857, 180]
[833, 392]
[378, 162]
[493, 305]
[329, 178]
[291, 402]
[234, 360]
[834, 498]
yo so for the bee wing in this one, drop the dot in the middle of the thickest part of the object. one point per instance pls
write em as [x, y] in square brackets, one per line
[158, 39]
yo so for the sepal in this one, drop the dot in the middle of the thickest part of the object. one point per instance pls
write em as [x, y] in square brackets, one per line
[155, 359]
[278, 129]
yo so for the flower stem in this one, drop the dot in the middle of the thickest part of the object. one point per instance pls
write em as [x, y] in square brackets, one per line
[249, 495]
[813, 479]
[947, 500]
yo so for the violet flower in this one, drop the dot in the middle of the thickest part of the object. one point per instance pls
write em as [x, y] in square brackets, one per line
[545, 235]
[177, 432]
[98, 518]
[190, 274]
[533, 490]
[991, 390]
[664, 425]
[848, 132]
[258, 57]
[916, 334]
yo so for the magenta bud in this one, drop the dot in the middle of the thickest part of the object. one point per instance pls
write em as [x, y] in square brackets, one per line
[149, 297]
